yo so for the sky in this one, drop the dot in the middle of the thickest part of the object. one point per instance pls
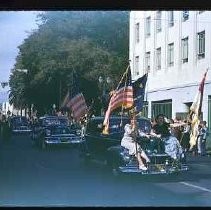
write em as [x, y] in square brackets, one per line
[15, 26]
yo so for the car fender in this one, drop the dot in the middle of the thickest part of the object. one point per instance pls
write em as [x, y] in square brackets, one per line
[115, 155]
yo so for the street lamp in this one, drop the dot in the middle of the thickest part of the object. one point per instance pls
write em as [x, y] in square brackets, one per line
[105, 84]
[54, 109]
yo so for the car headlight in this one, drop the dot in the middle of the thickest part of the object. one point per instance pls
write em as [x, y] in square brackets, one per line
[78, 132]
[48, 132]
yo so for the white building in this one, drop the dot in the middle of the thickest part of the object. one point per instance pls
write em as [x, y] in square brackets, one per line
[174, 47]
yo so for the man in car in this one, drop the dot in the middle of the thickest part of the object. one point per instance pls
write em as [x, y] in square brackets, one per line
[128, 141]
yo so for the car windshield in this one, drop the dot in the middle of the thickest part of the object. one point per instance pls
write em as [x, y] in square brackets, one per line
[20, 121]
[117, 125]
[63, 121]
[144, 125]
[60, 130]
[50, 121]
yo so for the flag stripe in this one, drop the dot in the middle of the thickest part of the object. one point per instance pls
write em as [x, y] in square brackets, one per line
[123, 96]
[78, 106]
[75, 100]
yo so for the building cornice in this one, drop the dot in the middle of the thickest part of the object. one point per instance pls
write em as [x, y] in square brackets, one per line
[178, 86]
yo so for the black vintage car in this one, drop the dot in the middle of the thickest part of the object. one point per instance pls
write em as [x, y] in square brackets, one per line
[106, 148]
[20, 125]
[54, 130]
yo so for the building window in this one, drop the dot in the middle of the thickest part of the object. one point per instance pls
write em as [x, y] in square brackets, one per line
[171, 54]
[171, 18]
[158, 21]
[164, 107]
[185, 15]
[144, 112]
[137, 65]
[148, 26]
[185, 50]
[137, 33]
[201, 45]
[147, 61]
[158, 58]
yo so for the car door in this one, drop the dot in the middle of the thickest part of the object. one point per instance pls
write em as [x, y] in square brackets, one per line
[97, 142]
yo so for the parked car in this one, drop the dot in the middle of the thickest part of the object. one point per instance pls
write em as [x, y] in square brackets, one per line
[106, 148]
[20, 125]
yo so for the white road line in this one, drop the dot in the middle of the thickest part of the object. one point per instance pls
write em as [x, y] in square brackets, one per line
[195, 186]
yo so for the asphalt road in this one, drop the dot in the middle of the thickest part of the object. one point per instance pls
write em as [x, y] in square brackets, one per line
[57, 176]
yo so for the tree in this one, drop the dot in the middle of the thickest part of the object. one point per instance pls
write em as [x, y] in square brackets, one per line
[90, 43]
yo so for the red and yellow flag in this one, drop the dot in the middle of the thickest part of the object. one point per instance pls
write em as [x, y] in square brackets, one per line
[195, 112]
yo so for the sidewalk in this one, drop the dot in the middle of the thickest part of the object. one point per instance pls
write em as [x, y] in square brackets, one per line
[195, 158]
[208, 144]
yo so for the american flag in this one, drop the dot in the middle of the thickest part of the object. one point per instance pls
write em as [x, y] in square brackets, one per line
[195, 112]
[121, 97]
[75, 100]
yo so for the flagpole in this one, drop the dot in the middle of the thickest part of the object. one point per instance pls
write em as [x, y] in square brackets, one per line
[135, 125]
[109, 110]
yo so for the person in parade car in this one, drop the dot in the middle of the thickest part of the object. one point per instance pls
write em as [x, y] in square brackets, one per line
[172, 145]
[128, 141]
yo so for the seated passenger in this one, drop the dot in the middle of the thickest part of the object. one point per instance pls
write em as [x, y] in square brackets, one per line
[172, 145]
[154, 143]
[128, 141]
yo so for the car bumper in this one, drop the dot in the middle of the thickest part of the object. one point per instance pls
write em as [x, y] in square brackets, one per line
[154, 169]
[72, 141]
[21, 131]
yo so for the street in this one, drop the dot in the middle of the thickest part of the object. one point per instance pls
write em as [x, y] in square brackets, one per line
[57, 176]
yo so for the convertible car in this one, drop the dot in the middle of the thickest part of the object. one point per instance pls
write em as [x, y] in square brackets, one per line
[106, 148]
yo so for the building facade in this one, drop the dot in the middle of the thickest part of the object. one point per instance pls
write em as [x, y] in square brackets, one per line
[174, 47]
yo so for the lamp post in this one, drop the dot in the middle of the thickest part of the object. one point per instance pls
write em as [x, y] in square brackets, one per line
[54, 109]
[105, 85]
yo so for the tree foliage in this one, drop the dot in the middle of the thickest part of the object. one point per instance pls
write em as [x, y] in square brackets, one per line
[91, 43]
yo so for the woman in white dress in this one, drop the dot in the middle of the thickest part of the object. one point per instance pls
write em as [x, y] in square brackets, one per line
[133, 147]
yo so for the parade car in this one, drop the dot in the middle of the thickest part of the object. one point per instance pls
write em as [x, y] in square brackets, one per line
[54, 130]
[107, 149]
[46, 121]
[59, 134]
[20, 125]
